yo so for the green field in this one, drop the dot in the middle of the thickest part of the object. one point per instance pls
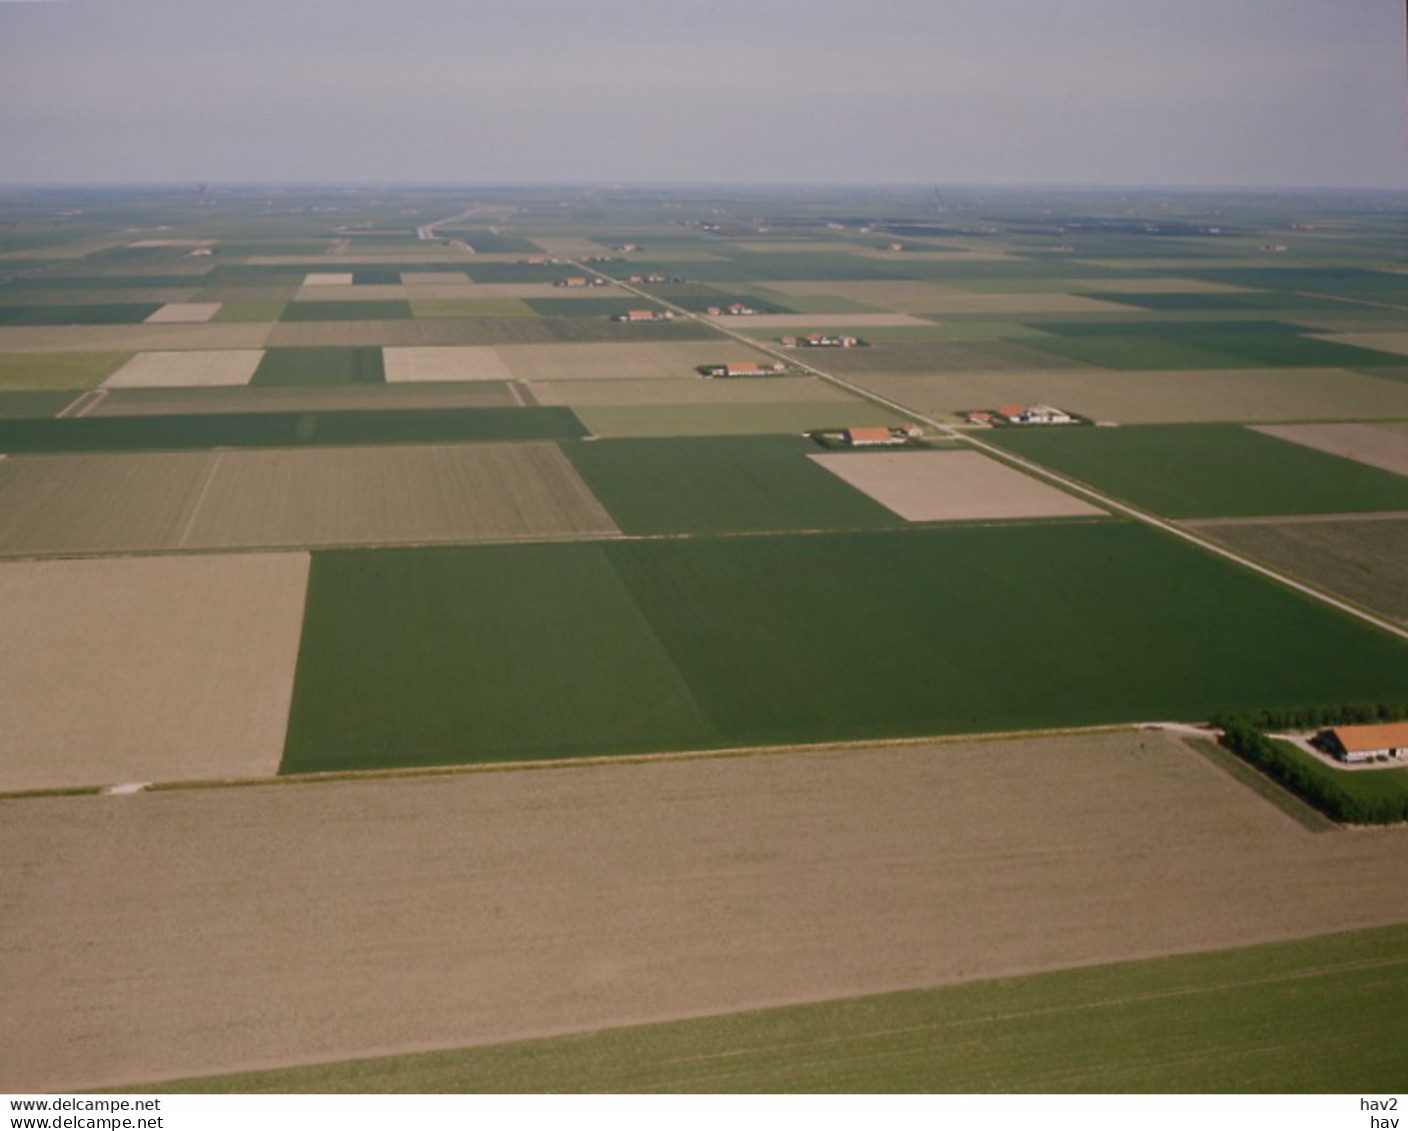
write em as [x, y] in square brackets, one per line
[280, 429]
[239, 311]
[1286, 1017]
[1172, 348]
[1207, 470]
[35, 371]
[326, 365]
[789, 417]
[796, 638]
[614, 303]
[78, 314]
[375, 310]
[722, 484]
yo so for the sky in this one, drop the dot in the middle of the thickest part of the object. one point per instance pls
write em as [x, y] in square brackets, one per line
[1256, 93]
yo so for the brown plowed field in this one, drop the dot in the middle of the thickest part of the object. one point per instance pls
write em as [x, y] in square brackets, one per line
[191, 932]
[145, 669]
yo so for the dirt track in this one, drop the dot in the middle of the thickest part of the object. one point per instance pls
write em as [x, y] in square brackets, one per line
[171, 934]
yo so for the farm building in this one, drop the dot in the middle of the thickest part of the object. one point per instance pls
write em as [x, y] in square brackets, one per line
[1360, 743]
[642, 316]
[1035, 414]
[867, 437]
[743, 369]
[823, 341]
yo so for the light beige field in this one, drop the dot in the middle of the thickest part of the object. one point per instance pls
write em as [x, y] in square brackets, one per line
[117, 670]
[950, 486]
[687, 391]
[747, 322]
[310, 398]
[1389, 341]
[1155, 396]
[434, 278]
[1363, 443]
[142, 336]
[294, 498]
[185, 312]
[195, 932]
[444, 363]
[178, 368]
[931, 298]
[595, 361]
[328, 279]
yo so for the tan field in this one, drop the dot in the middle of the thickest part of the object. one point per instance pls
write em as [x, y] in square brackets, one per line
[950, 486]
[1387, 341]
[328, 279]
[1156, 396]
[142, 336]
[312, 398]
[746, 322]
[292, 498]
[177, 368]
[434, 278]
[444, 363]
[192, 932]
[596, 361]
[931, 298]
[571, 247]
[1363, 443]
[185, 312]
[122, 670]
[687, 391]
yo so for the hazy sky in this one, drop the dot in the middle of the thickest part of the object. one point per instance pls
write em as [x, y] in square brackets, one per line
[1168, 92]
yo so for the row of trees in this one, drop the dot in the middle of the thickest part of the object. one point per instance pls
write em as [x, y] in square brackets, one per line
[1303, 718]
[1331, 791]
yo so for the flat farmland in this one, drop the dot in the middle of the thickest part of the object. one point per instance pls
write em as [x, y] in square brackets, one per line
[146, 669]
[421, 493]
[482, 332]
[1364, 559]
[951, 486]
[445, 363]
[77, 314]
[1178, 1023]
[452, 307]
[346, 310]
[597, 361]
[860, 320]
[314, 366]
[1363, 443]
[1155, 397]
[58, 370]
[810, 638]
[691, 391]
[926, 356]
[1208, 470]
[185, 312]
[1389, 341]
[143, 336]
[914, 297]
[608, 895]
[307, 398]
[731, 418]
[1177, 349]
[714, 485]
[434, 278]
[182, 368]
[359, 292]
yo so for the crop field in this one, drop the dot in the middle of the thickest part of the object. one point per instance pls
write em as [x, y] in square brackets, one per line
[776, 639]
[312, 365]
[624, 894]
[950, 485]
[281, 429]
[731, 419]
[22, 371]
[1154, 397]
[1188, 1023]
[688, 391]
[292, 498]
[170, 336]
[1393, 341]
[469, 307]
[391, 291]
[345, 311]
[925, 355]
[711, 486]
[597, 361]
[445, 363]
[185, 312]
[300, 398]
[1230, 350]
[1364, 559]
[1202, 471]
[182, 667]
[179, 368]
[1363, 443]
[76, 314]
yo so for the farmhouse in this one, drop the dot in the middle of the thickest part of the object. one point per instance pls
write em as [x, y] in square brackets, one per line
[1361, 743]
[642, 316]
[1035, 414]
[572, 281]
[823, 341]
[866, 437]
[743, 369]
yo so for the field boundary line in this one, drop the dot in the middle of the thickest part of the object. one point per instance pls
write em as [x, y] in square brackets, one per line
[1294, 519]
[200, 501]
